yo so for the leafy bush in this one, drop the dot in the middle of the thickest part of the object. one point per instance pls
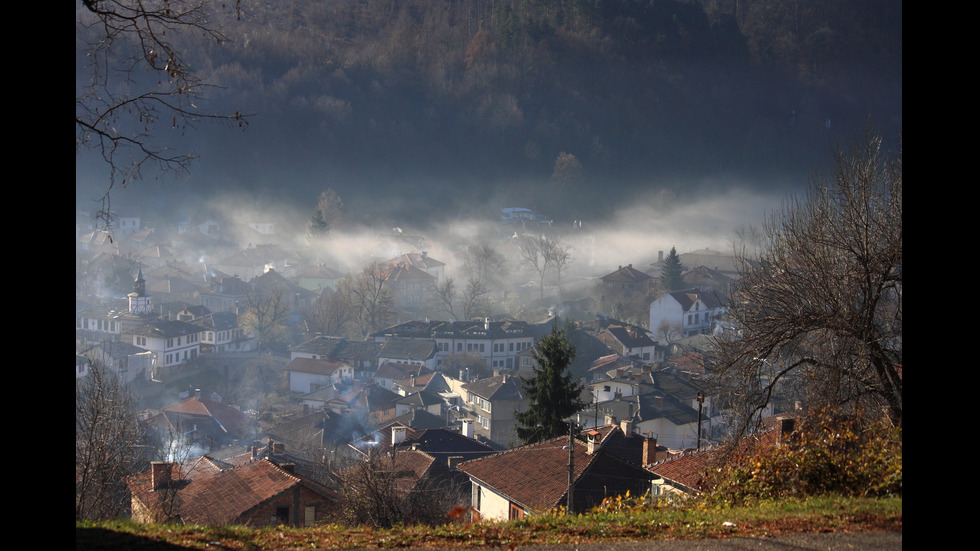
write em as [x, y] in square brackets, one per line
[829, 455]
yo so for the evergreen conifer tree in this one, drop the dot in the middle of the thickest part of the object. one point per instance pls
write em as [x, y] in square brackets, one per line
[553, 394]
[670, 276]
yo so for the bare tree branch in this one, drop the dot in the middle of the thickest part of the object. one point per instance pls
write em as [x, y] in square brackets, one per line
[138, 79]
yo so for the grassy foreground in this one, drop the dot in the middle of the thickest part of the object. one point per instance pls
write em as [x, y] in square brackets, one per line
[765, 518]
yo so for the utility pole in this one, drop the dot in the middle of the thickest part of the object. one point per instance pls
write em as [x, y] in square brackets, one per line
[571, 465]
[700, 409]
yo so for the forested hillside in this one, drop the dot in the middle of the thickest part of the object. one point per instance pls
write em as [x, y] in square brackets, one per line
[628, 90]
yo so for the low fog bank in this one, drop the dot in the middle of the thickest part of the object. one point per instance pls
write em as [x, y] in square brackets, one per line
[643, 223]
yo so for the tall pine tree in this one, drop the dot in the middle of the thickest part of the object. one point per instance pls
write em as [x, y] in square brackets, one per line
[552, 393]
[670, 275]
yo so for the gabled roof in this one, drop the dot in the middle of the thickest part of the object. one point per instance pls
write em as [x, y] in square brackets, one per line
[689, 470]
[314, 367]
[501, 387]
[370, 398]
[340, 349]
[660, 405]
[318, 428]
[536, 476]
[218, 321]
[420, 260]
[421, 419]
[209, 493]
[408, 273]
[627, 274]
[675, 385]
[438, 442]
[691, 363]
[166, 329]
[408, 349]
[460, 330]
[228, 418]
[115, 349]
[630, 337]
[399, 372]
[420, 399]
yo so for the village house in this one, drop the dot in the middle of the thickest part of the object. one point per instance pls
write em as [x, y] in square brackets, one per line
[420, 260]
[201, 424]
[209, 492]
[626, 281]
[657, 414]
[220, 332]
[631, 341]
[678, 314]
[413, 352]
[493, 401]
[130, 363]
[448, 446]
[534, 479]
[689, 472]
[411, 287]
[172, 342]
[497, 342]
[361, 355]
[307, 374]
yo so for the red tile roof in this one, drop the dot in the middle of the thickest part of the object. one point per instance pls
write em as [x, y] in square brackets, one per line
[206, 494]
[228, 417]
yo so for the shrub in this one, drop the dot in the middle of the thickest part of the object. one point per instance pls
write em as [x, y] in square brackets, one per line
[829, 455]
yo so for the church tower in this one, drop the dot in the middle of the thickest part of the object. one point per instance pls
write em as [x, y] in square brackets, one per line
[139, 301]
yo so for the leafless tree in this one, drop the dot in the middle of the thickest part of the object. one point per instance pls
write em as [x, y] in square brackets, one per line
[371, 298]
[136, 77]
[383, 490]
[266, 314]
[534, 254]
[332, 314]
[545, 254]
[445, 296]
[823, 311]
[475, 300]
[485, 264]
[110, 443]
[559, 257]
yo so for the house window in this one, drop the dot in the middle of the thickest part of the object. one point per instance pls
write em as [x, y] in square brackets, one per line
[515, 512]
[282, 515]
[511, 347]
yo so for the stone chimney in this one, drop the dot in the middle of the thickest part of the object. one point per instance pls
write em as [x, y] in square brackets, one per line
[649, 450]
[593, 442]
[160, 474]
[255, 452]
[467, 428]
[627, 426]
[610, 419]
[398, 435]
[197, 394]
[277, 447]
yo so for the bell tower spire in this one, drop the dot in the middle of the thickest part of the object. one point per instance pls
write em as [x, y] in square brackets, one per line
[139, 301]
